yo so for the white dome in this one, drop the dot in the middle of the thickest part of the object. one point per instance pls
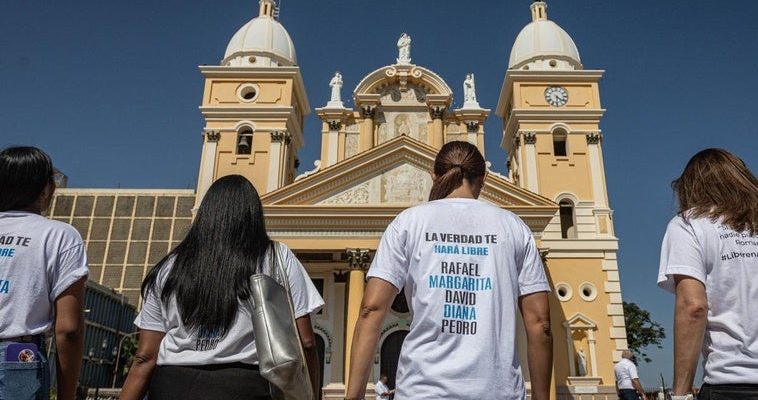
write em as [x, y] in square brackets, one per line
[261, 42]
[543, 45]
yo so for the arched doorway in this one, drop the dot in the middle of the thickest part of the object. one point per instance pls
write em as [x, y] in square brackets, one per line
[390, 354]
[321, 349]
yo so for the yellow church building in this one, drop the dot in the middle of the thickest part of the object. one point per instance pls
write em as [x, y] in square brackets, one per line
[374, 162]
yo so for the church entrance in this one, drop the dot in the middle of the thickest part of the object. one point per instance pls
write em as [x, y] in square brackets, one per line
[390, 355]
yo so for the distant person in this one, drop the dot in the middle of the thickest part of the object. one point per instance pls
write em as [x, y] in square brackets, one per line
[196, 336]
[709, 259]
[466, 267]
[628, 386]
[381, 389]
[43, 270]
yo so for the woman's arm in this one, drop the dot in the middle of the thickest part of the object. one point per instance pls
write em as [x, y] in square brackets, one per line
[690, 317]
[305, 328]
[535, 312]
[69, 338]
[376, 301]
[142, 368]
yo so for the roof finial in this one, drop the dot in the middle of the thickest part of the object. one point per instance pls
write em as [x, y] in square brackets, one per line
[268, 7]
[539, 11]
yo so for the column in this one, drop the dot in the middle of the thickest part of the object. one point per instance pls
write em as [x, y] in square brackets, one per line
[596, 169]
[275, 160]
[438, 135]
[472, 128]
[593, 352]
[367, 134]
[207, 165]
[356, 282]
[530, 140]
[333, 147]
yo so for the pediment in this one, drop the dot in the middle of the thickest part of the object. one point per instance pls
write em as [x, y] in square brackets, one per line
[393, 174]
[580, 321]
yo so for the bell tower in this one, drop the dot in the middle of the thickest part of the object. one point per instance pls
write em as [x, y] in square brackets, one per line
[253, 104]
[551, 111]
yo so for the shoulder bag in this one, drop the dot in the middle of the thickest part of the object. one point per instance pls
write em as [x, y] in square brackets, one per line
[281, 359]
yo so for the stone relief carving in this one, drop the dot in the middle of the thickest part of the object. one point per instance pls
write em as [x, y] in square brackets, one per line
[351, 144]
[355, 195]
[411, 95]
[406, 184]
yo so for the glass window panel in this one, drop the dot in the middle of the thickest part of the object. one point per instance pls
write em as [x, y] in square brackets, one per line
[145, 206]
[83, 206]
[104, 206]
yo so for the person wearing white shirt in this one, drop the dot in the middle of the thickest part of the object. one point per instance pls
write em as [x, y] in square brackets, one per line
[381, 389]
[628, 386]
[709, 260]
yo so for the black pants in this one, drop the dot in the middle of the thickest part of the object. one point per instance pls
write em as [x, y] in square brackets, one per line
[728, 392]
[628, 394]
[224, 381]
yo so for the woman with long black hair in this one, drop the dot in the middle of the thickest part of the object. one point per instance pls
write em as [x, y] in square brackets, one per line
[194, 323]
[466, 267]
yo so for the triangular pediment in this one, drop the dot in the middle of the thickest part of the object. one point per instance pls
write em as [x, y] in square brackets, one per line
[580, 321]
[393, 174]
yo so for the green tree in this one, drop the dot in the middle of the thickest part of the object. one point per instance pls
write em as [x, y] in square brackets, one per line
[641, 331]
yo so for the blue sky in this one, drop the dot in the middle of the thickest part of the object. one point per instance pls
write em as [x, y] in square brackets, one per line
[111, 89]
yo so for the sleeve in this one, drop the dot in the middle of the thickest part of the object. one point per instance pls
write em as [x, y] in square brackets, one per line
[71, 267]
[531, 277]
[305, 297]
[151, 316]
[681, 254]
[633, 372]
[391, 261]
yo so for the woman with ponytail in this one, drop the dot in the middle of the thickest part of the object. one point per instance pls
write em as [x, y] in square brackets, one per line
[466, 266]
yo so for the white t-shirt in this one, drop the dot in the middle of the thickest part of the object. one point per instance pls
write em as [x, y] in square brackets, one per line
[379, 389]
[463, 264]
[727, 263]
[39, 260]
[625, 371]
[201, 347]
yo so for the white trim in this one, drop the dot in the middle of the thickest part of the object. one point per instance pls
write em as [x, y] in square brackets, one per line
[245, 86]
[569, 291]
[588, 285]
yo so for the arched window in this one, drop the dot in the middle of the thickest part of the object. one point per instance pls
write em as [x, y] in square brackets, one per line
[245, 141]
[559, 143]
[390, 355]
[568, 228]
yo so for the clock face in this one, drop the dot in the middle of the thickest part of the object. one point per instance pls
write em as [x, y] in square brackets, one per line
[556, 96]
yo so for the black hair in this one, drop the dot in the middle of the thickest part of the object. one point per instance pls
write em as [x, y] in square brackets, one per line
[222, 249]
[455, 161]
[24, 174]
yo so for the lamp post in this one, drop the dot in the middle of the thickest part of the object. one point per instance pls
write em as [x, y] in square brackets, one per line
[103, 346]
[117, 358]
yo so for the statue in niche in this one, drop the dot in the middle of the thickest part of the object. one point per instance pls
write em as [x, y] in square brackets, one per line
[404, 49]
[402, 127]
[336, 85]
[581, 361]
[469, 92]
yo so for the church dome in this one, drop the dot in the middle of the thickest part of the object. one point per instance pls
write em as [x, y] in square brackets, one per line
[261, 42]
[543, 45]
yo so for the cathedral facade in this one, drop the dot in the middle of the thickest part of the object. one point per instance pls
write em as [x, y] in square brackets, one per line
[374, 162]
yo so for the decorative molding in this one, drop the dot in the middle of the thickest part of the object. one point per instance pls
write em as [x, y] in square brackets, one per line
[368, 111]
[358, 258]
[437, 112]
[530, 138]
[334, 125]
[281, 136]
[472, 126]
[594, 137]
[212, 136]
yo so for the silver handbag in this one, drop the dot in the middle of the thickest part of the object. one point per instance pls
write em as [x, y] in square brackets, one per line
[281, 359]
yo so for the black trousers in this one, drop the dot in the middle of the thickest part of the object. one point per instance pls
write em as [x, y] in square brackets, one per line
[208, 382]
[628, 394]
[728, 392]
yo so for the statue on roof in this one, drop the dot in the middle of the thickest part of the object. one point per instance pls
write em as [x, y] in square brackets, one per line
[404, 49]
[336, 85]
[469, 92]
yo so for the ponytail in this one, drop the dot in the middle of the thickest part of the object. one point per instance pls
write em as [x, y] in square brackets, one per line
[456, 161]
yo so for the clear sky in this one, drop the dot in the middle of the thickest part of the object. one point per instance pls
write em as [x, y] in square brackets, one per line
[111, 88]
